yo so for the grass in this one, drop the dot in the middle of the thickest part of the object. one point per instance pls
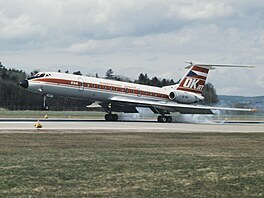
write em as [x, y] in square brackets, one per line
[51, 114]
[131, 165]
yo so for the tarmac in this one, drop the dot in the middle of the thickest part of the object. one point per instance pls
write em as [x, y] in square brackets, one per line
[99, 126]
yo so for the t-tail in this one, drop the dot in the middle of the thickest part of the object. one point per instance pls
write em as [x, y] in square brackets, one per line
[195, 79]
[190, 88]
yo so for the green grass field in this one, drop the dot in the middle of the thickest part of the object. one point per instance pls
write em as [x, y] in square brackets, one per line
[51, 114]
[131, 165]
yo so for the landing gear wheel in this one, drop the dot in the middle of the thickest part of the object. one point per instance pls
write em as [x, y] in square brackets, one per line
[45, 108]
[159, 118]
[111, 117]
[115, 117]
[164, 119]
[108, 117]
[169, 119]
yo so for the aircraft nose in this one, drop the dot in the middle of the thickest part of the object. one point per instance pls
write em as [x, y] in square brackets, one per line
[24, 84]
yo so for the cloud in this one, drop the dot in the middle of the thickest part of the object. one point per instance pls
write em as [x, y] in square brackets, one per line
[18, 33]
[92, 34]
[196, 10]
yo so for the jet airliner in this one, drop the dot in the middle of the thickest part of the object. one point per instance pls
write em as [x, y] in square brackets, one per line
[116, 96]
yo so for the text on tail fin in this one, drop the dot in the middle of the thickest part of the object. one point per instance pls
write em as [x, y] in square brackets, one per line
[194, 80]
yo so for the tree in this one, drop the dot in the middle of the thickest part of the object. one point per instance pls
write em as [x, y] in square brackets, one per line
[143, 79]
[34, 72]
[109, 74]
[77, 73]
[121, 78]
[155, 82]
[209, 94]
[167, 82]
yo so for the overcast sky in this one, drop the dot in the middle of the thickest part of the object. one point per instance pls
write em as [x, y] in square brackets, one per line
[132, 36]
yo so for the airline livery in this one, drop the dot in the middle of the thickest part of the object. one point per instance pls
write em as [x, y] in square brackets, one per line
[116, 96]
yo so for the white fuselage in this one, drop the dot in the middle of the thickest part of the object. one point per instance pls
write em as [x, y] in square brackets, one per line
[96, 89]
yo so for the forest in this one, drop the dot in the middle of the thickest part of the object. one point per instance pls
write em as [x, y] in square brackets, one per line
[13, 97]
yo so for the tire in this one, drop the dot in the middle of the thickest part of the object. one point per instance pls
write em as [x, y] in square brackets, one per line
[107, 117]
[169, 119]
[45, 108]
[115, 117]
[164, 119]
[111, 117]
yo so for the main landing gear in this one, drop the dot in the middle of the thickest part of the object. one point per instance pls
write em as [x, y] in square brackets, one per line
[111, 117]
[164, 119]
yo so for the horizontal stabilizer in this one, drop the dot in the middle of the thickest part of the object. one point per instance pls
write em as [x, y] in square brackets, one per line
[212, 66]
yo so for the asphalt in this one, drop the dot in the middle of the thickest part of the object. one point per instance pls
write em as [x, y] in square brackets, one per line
[99, 126]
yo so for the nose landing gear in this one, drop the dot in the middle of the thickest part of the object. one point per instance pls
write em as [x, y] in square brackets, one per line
[45, 97]
[45, 106]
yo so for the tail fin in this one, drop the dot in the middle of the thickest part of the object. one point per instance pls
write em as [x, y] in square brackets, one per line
[195, 78]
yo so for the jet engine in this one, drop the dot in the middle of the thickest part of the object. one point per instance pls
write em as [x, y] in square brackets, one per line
[183, 97]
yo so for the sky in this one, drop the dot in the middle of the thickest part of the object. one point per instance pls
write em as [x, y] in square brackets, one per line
[133, 37]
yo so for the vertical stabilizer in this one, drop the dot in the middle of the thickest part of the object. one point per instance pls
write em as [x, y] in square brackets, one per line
[194, 80]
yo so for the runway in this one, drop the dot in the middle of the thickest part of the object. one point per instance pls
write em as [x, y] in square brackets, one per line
[98, 126]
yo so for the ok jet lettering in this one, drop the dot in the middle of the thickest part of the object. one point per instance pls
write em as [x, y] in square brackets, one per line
[192, 84]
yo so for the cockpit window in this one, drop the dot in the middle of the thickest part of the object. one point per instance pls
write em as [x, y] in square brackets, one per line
[39, 75]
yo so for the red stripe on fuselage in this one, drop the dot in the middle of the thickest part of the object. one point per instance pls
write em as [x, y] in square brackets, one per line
[74, 83]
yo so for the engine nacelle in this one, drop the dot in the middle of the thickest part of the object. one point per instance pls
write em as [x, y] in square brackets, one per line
[183, 97]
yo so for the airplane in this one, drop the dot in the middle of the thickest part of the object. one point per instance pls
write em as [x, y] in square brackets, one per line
[117, 96]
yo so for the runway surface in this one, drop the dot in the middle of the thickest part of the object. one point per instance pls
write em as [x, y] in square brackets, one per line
[98, 126]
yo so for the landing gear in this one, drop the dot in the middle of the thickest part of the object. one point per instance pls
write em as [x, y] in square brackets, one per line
[164, 119]
[111, 117]
[45, 106]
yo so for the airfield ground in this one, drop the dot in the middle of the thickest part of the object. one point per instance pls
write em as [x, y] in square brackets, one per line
[129, 159]
[131, 164]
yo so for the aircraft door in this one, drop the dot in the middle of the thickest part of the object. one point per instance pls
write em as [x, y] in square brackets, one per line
[139, 93]
[80, 87]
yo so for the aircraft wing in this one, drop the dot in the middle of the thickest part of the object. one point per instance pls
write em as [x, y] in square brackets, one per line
[173, 106]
